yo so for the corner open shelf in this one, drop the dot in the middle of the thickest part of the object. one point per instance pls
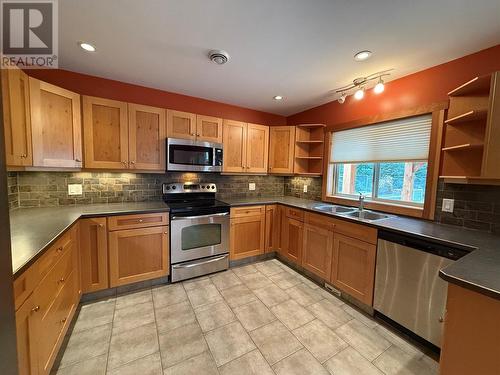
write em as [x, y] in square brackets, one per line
[463, 147]
[309, 148]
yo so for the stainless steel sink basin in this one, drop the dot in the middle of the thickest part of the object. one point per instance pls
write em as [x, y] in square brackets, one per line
[331, 208]
[367, 215]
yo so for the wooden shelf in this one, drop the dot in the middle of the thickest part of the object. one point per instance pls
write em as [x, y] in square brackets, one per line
[309, 157]
[309, 174]
[477, 85]
[467, 116]
[318, 141]
[476, 180]
[311, 126]
[465, 146]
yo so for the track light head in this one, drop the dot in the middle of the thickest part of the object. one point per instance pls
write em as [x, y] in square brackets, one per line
[342, 98]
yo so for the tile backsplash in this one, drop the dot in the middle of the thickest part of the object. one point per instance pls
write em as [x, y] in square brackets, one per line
[294, 186]
[39, 189]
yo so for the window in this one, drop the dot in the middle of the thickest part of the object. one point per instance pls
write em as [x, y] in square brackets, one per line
[385, 162]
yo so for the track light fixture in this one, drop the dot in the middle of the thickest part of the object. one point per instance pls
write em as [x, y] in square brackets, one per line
[358, 86]
[342, 97]
[379, 87]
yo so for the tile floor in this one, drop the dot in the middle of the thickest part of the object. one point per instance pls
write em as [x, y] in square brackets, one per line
[262, 318]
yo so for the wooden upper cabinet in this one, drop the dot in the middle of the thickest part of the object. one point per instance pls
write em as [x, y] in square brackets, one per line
[317, 250]
[146, 129]
[181, 124]
[235, 146]
[257, 148]
[281, 149]
[93, 254]
[16, 118]
[208, 129]
[56, 126]
[105, 129]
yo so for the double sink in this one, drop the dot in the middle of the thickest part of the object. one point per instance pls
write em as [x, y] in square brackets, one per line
[355, 213]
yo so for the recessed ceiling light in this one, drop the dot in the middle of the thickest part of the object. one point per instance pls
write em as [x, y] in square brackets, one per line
[218, 56]
[278, 97]
[362, 55]
[87, 46]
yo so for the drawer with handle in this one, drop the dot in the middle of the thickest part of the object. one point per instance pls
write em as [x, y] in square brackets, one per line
[320, 221]
[294, 213]
[247, 211]
[24, 285]
[54, 253]
[137, 221]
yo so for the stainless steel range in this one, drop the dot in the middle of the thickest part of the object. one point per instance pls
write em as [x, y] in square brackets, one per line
[199, 230]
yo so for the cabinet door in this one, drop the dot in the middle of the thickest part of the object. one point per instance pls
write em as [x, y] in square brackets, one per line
[292, 244]
[247, 236]
[94, 254]
[235, 146]
[281, 149]
[353, 267]
[105, 130]
[137, 255]
[16, 118]
[146, 129]
[56, 126]
[273, 228]
[181, 124]
[257, 148]
[317, 251]
[27, 355]
[208, 129]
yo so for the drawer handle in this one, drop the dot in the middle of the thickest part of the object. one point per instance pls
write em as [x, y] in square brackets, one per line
[140, 220]
[61, 280]
[35, 309]
[59, 249]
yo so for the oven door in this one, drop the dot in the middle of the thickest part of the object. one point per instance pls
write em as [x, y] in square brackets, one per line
[186, 155]
[195, 237]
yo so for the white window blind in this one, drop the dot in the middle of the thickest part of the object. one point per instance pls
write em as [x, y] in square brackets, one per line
[405, 139]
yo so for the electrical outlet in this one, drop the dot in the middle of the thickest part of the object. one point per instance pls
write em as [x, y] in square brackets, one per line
[251, 186]
[75, 189]
[305, 188]
[448, 205]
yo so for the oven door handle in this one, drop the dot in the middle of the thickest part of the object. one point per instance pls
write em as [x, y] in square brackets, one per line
[200, 263]
[198, 217]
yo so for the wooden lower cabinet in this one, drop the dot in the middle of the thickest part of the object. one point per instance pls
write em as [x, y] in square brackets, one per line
[353, 267]
[292, 239]
[138, 254]
[273, 228]
[94, 254]
[247, 235]
[27, 356]
[317, 250]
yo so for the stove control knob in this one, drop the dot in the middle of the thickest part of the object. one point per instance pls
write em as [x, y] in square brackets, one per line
[174, 187]
[167, 187]
[203, 186]
[213, 186]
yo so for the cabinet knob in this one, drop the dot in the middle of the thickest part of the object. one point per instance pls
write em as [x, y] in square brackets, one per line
[78, 160]
[35, 309]
[198, 135]
[132, 162]
[59, 249]
[101, 225]
[140, 220]
[193, 134]
[24, 156]
[441, 319]
[61, 280]
[165, 232]
[124, 162]
[63, 320]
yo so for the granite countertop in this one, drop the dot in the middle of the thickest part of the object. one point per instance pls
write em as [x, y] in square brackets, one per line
[33, 229]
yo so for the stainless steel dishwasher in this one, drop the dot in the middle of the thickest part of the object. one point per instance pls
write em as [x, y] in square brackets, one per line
[408, 289]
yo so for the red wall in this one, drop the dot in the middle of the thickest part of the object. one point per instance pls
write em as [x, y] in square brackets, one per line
[96, 86]
[423, 88]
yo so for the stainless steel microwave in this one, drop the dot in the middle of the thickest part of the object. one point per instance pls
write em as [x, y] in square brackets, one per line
[193, 156]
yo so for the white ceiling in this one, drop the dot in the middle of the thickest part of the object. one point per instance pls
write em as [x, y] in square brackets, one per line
[301, 49]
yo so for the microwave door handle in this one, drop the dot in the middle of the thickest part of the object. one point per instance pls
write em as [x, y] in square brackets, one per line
[199, 217]
[200, 263]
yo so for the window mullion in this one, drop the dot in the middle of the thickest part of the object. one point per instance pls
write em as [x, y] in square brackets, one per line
[376, 174]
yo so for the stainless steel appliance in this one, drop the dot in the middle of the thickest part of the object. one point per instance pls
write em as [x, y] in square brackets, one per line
[187, 155]
[199, 230]
[408, 289]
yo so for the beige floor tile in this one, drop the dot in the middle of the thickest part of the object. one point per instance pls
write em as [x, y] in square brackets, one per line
[254, 315]
[285, 280]
[148, 365]
[291, 314]
[196, 283]
[86, 344]
[95, 314]
[204, 295]
[133, 298]
[92, 366]
[330, 314]
[275, 341]
[255, 280]
[214, 316]
[395, 361]
[268, 268]
[168, 295]
[181, 343]
[133, 316]
[365, 340]
[360, 316]
[397, 340]
[132, 344]
[174, 316]
[350, 362]
[238, 295]
[200, 364]
[321, 341]
[271, 295]
[299, 363]
[244, 270]
[330, 297]
[311, 284]
[225, 280]
[251, 363]
[304, 295]
[229, 342]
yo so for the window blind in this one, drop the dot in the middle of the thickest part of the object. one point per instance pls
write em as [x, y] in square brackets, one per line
[405, 139]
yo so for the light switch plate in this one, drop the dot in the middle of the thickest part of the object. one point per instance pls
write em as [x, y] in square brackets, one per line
[448, 205]
[305, 188]
[251, 186]
[75, 189]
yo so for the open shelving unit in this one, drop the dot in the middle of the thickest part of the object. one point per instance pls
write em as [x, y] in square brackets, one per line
[309, 148]
[471, 139]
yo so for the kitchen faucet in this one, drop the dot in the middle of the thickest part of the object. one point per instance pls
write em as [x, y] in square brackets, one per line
[361, 201]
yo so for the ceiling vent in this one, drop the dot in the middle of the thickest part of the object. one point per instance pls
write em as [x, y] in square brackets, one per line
[218, 56]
